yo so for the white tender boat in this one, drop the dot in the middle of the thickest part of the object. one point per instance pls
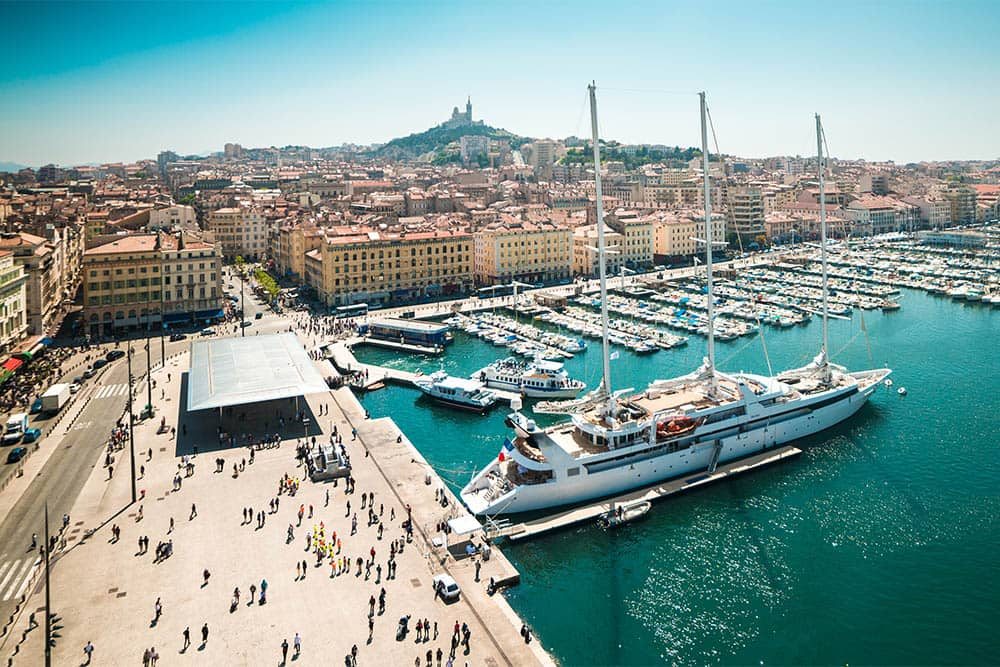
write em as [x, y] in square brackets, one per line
[534, 379]
[458, 392]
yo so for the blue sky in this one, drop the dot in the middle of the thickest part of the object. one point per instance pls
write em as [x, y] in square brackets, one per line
[94, 82]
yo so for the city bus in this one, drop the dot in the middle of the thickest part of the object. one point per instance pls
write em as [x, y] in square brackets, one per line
[354, 310]
[495, 290]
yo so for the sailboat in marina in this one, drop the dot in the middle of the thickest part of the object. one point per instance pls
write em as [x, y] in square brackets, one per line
[619, 441]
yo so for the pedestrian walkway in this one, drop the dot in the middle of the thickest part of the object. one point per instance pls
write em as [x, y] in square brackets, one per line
[16, 575]
[111, 390]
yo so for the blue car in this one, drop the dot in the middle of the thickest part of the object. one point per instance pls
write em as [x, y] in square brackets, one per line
[16, 454]
[36, 407]
[31, 435]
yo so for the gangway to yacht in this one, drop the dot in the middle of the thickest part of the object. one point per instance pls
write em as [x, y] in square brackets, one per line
[715, 456]
[582, 513]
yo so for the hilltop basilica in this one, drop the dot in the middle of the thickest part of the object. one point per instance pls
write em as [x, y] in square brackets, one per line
[459, 119]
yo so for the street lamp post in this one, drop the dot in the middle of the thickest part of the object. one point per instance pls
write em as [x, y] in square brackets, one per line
[131, 421]
[48, 601]
[149, 375]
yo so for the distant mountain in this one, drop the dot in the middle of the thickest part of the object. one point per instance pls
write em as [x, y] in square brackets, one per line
[431, 143]
[11, 167]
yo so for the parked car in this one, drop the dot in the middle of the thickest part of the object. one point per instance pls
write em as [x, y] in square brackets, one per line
[16, 454]
[36, 407]
[176, 337]
[75, 387]
[446, 587]
[207, 332]
[100, 363]
[89, 373]
[258, 315]
[31, 435]
[114, 354]
[246, 323]
[78, 380]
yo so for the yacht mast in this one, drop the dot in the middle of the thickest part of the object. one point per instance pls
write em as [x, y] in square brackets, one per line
[601, 258]
[708, 246]
[822, 251]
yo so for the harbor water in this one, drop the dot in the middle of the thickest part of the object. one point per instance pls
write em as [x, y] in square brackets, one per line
[878, 545]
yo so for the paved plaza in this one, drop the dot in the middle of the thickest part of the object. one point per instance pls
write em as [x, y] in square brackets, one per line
[105, 590]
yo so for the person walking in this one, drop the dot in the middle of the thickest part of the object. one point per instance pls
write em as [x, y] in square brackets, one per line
[194, 512]
[204, 634]
[297, 643]
[284, 651]
[88, 651]
[187, 638]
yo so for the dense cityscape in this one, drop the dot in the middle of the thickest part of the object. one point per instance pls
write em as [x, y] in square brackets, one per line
[352, 226]
[475, 386]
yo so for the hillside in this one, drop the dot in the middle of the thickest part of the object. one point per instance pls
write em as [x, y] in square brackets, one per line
[432, 142]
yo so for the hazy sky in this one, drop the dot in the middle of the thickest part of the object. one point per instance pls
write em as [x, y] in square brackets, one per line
[90, 82]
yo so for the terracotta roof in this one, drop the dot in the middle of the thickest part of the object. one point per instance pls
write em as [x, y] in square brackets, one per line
[131, 243]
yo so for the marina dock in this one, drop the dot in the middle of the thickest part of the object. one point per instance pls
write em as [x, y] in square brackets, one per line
[342, 358]
[577, 515]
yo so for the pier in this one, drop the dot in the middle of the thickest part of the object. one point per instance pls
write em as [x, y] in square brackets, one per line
[576, 515]
[342, 358]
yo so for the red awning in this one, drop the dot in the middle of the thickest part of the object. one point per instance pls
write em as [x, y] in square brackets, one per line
[12, 364]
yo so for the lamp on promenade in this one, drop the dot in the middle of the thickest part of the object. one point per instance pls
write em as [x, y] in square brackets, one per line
[131, 421]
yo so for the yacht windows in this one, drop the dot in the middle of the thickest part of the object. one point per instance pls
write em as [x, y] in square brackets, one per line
[572, 472]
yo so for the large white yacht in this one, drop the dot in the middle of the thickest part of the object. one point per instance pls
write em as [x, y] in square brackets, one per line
[615, 443]
[534, 379]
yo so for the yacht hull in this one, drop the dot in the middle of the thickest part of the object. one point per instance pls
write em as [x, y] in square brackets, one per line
[587, 485]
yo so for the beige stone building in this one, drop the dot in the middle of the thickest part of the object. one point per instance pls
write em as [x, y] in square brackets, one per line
[585, 261]
[674, 235]
[238, 231]
[13, 319]
[292, 242]
[141, 280]
[637, 238]
[43, 265]
[523, 251]
[376, 267]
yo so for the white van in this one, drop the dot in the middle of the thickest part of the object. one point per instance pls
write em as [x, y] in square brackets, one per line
[16, 426]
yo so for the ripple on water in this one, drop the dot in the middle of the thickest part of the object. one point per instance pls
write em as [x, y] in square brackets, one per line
[704, 591]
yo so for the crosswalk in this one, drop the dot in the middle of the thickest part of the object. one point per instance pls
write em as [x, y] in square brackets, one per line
[16, 575]
[110, 390]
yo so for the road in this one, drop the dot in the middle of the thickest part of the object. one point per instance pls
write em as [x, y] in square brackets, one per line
[75, 455]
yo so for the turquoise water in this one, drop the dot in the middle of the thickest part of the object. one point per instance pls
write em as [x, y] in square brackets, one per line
[878, 545]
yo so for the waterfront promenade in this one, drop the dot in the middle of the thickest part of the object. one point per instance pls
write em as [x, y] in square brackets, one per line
[105, 589]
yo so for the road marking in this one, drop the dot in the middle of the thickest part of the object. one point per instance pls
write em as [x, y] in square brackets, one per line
[111, 390]
[81, 426]
[10, 576]
[27, 580]
[3, 568]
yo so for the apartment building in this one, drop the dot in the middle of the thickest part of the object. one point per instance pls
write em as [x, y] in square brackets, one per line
[176, 216]
[13, 299]
[524, 251]
[292, 244]
[637, 238]
[239, 231]
[962, 202]
[376, 267]
[746, 212]
[674, 235]
[873, 215]
[585, 261]
[42, 262]
[143, 280]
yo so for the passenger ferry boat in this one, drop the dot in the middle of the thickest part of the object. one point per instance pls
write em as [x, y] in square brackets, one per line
[614, 443]
[459, 392]
[534, 379]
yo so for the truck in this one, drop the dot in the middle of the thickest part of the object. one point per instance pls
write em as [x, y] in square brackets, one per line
[55, 397]
[16, 426]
